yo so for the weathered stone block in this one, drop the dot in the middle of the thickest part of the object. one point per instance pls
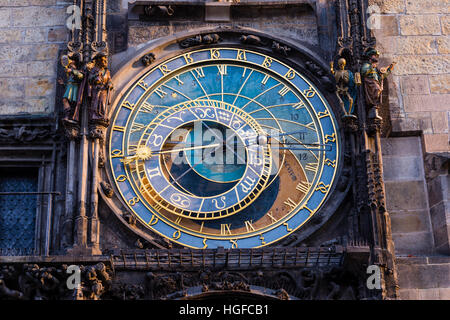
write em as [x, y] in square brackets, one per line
[11, 88]
[445, 23]
[421, 103]
[440, 83]
[420, 25]
[421, 64]
[415, 84]
[57, 34]
[35, 35]
[402, 168]
[40, 69]
[38, 16]
[408, 294]
[416, 45]
[5, 17]
[405, 195]
[427, 6]
[422, 121]
[443, 44]
[444, 293]
[437, 142]
[10, 35]
[393, 6]
[442, 238]
[440, 121]
[17, 69]
[389, 25]
[428, 294]
[401, 146]
[39, 87]
[409, 221]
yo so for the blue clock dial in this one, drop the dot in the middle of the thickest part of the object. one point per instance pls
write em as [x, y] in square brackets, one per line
[223, 147]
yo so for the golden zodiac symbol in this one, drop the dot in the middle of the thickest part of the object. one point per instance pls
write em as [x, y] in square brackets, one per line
[217, 205]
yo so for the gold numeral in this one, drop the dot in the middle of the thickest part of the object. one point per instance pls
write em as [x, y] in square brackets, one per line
[128, 105]
[146, 107]
[137, 127]
[133, 201]
[199, 72]
[176, 235]
[187, 57]
[303, 186]
[121, 178]
[164, 69]
[323, 114]
[153, 220]
[116, 153]
[287, 227]
[215, 54]
[180, 82]
[272, 217]
[331, 163]
[119, 128]
[249, 226]
[143, 85]
[241, 55]
[261, 237]
[313, 166]
[283, 91]
[322, 187]
[222, 69]
[225, 228]
[298, 105]
[331, 138]
[160, 92]
[264, 80]
[290, 74]
[267, 62]
[291, 203]
[309, 93]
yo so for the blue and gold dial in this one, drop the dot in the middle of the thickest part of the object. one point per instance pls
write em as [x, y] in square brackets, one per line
[223, 147]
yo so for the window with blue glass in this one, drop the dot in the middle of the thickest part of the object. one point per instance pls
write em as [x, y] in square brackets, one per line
[18, 209]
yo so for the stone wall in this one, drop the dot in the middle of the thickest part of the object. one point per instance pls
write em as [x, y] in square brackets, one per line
[31, 34]
[295, 22]
[416, 34]
[406, 195]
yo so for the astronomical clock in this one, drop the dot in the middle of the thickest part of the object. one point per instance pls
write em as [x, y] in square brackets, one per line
[223, 147]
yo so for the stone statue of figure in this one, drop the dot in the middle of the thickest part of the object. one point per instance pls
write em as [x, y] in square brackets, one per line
[72, 93]
[373, 80]
[345, 86]
[99, 87]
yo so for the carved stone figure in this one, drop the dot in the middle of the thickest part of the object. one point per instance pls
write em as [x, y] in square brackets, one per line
[99, 87]
[72, 93]
[373, 80]
[345, 86]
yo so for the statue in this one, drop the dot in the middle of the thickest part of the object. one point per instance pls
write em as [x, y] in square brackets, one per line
[345, 86]
[72, 93]
[99, 87]
[373, 80]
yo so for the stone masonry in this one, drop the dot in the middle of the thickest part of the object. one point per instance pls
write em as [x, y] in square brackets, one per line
[31, 34]
[416, 34]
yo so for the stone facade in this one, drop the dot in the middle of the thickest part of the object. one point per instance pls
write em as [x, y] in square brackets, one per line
[31, 35]
[416, 35]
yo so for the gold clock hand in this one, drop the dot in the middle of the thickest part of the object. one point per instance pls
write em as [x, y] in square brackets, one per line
[187, 149]
[145, 153]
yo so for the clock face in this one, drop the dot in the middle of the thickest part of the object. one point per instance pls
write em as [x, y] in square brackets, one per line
[223, 147]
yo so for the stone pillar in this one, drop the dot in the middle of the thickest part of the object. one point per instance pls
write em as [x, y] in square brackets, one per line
[72, 134]
[97, 134]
